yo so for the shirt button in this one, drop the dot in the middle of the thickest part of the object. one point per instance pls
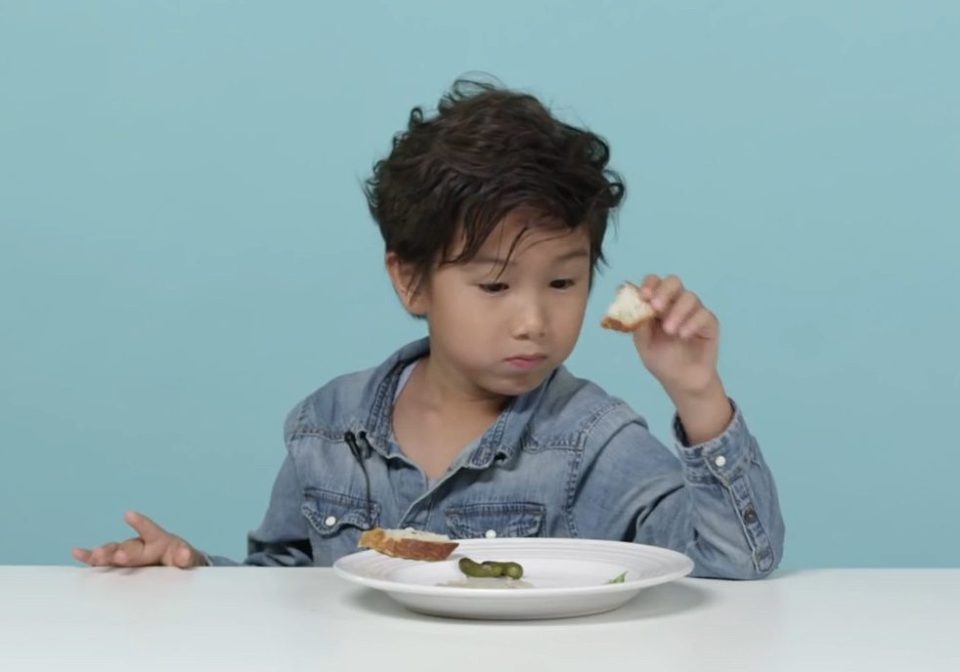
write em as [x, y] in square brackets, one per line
[750, 515]
[720, 460]
[330, 521]
[490, 534]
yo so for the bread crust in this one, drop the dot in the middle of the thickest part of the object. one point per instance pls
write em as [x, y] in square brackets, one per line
[408, 548]
[613, 323]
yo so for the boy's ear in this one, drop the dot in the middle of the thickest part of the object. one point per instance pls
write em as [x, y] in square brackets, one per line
[402, 276]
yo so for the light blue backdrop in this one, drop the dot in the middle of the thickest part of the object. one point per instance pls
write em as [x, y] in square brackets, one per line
[185, 250]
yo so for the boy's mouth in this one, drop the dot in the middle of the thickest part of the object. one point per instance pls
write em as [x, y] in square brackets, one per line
[526, 362]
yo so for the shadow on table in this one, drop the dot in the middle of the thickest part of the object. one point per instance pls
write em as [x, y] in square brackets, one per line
[658, 602]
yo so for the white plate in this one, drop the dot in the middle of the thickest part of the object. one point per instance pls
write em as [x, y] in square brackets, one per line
[562, 577]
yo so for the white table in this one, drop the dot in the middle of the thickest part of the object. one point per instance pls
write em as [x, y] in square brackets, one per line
[66, 618]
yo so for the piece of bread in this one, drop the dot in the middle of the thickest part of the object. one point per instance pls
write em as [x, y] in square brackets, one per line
[409, 543]
[628, 311]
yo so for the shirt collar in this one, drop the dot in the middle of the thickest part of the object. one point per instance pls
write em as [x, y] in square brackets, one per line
[502, 440]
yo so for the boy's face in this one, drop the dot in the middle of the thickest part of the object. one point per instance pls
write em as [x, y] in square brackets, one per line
[501, 329]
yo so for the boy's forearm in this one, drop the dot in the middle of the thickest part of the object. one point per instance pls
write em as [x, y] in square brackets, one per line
[705, 413]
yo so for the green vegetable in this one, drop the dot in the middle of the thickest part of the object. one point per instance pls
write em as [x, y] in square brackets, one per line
[490, 569]
[495, 568]
[513, 570]
[475, 569]
[618, 579]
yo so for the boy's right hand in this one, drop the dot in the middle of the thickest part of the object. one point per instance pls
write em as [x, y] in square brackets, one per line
[153, 546]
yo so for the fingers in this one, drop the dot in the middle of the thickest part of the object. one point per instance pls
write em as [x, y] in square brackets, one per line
[102, 556]
[147, 529]
[646, 287]
[680, 311]
[702, 323]
[661, 293]
[685, 305]
[81, 554]
[153, 546]
[132, 553]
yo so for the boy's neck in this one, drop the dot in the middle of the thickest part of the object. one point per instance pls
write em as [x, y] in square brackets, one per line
[438, 390]
[435, 418]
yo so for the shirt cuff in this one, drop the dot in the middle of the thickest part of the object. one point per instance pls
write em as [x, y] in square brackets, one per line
[722, 458]
[218, 560]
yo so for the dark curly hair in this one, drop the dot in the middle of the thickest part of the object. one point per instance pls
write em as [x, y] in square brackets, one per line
[487, 151]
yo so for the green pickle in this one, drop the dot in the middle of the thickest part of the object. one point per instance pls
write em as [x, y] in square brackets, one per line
[490, 569]
[495, 568]
[513, 570]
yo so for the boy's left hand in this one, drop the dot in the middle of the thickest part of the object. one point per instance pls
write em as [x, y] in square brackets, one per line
[680, 346]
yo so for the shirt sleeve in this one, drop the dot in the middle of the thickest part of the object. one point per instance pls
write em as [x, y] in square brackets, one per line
[716, 501]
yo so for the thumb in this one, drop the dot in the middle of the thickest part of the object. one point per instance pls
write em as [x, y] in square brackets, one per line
[146, 528]
[643, 334]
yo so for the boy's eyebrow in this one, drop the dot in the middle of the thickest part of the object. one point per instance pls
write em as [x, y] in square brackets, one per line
[498, 261]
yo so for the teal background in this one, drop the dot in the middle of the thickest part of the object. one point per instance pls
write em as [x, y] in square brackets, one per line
[185, 250]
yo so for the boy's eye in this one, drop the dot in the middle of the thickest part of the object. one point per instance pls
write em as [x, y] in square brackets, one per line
[565, 283]
[493, 287]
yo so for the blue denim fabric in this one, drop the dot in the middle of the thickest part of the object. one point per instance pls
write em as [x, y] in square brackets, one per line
[564, 460]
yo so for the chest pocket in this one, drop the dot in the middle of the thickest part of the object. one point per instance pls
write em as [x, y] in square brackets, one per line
[495, 519]
[333, 515]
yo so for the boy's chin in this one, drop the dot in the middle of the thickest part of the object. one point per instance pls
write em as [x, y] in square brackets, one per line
[515, 386]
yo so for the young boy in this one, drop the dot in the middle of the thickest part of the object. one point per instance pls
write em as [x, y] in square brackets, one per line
[493, 213]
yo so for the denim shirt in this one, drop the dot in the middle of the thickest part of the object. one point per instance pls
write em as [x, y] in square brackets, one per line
[563, 460]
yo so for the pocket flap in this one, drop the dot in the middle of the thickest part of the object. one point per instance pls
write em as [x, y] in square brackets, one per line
[501, 519]
[329, 512]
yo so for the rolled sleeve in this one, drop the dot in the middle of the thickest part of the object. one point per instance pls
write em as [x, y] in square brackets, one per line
[733, 460]
[723, 457]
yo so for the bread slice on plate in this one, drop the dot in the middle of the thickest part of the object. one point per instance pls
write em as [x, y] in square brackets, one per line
[409, 544]
[628, 311]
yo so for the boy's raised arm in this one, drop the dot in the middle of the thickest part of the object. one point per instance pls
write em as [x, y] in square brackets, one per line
[717, 503]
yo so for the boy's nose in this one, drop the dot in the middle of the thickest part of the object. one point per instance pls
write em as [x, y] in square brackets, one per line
[531, 321]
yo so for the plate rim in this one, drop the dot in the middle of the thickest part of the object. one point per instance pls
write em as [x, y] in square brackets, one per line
[685, 567]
